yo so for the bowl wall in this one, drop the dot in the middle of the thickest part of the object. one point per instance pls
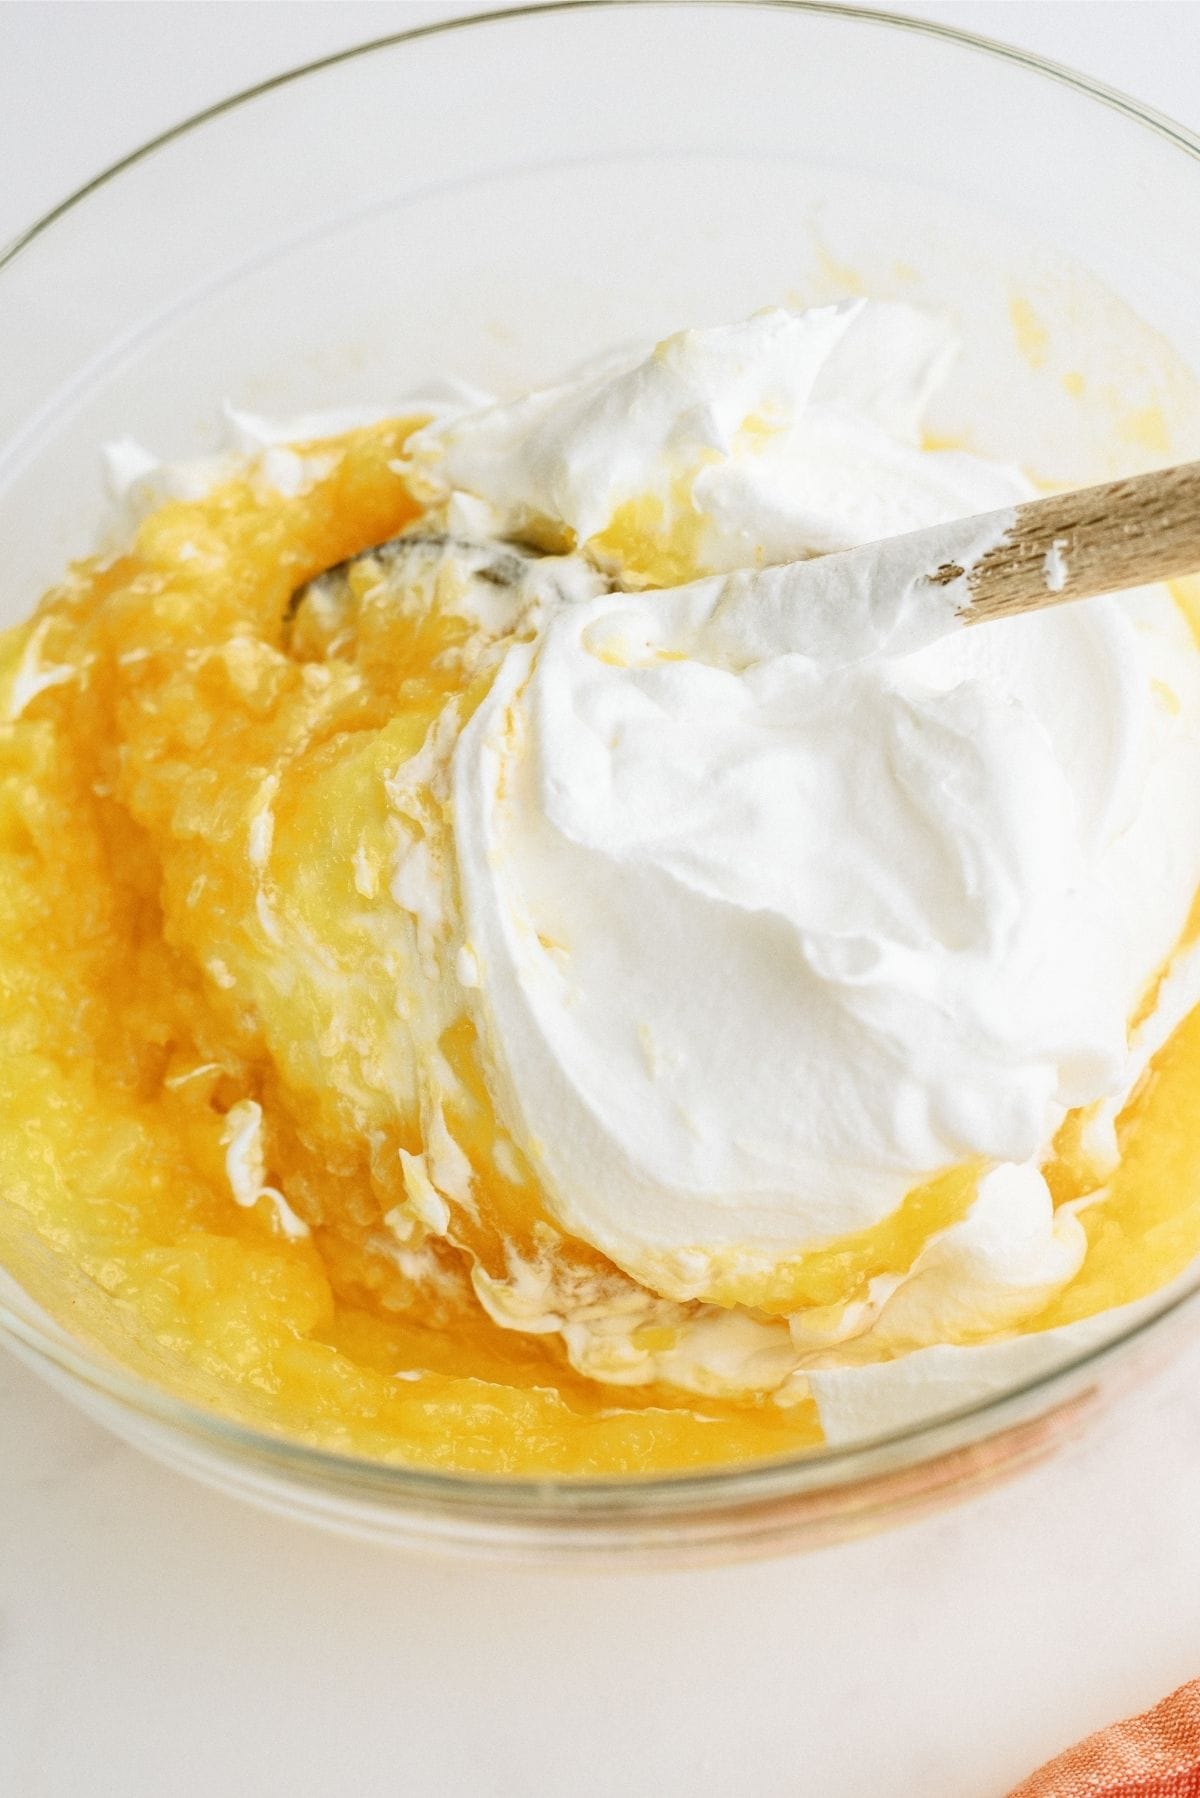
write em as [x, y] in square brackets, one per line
[498, 200]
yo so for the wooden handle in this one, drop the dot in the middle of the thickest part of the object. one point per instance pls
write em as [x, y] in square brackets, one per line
[1096, 540]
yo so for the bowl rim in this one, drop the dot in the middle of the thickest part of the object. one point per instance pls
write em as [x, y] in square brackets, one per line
[995, 48]
[556, 1496]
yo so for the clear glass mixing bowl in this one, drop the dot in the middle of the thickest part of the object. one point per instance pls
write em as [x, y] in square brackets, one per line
[498, 198]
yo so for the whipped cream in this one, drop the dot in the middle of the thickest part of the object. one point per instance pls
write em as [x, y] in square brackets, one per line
[245, 1166]
[771, 922]
[789, 435]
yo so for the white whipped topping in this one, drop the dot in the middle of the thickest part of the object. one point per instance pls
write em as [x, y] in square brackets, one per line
[789, 435]
[1009, 1256]
[857, 1403]
[763, 942]
[139, 480]
[32, 674]
[761, 951]
[245, 1166]
[1054, 567]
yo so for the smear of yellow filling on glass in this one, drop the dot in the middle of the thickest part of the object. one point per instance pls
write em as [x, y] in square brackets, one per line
[167, 952]
[1029, 330]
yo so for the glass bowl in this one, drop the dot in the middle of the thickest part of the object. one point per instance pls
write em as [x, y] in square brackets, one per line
[498, 198]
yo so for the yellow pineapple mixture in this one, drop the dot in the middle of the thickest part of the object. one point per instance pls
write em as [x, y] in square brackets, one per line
[203, 972]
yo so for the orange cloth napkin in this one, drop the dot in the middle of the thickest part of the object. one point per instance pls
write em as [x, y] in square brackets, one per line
[1156, 1755]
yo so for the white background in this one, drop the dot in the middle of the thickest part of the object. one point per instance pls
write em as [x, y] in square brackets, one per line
[157, 1641]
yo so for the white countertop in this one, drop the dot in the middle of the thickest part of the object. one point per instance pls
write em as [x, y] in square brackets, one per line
[159, 1641]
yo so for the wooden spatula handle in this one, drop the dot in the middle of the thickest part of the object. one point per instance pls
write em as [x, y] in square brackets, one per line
[1094, 540]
